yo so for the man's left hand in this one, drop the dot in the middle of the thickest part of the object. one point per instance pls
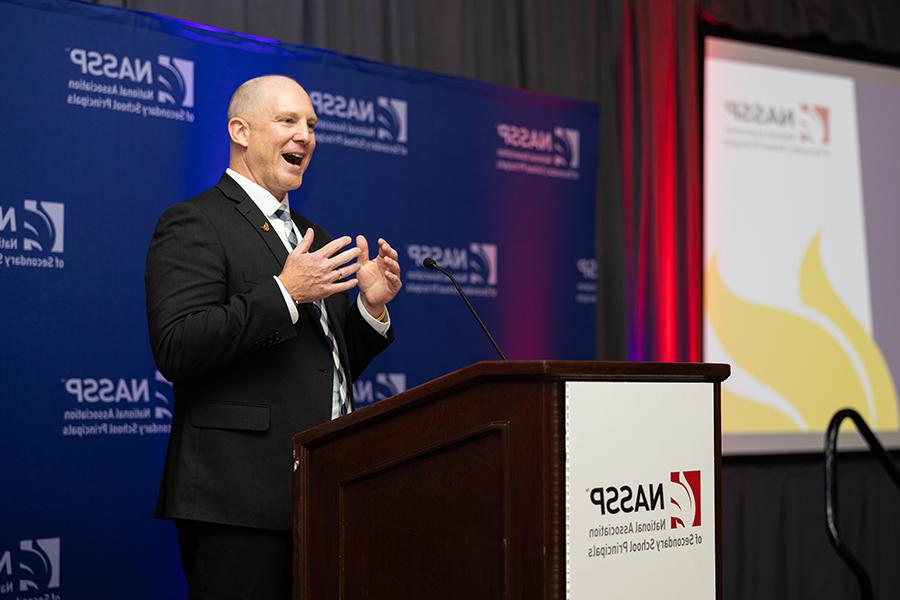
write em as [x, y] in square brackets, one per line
[379, 278]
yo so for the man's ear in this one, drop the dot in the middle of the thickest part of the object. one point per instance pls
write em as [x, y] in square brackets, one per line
[239, 131]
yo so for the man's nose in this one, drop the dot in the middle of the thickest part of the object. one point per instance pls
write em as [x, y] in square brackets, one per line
[301, 135]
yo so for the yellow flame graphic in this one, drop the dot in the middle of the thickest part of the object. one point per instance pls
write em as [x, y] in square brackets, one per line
[797, 358]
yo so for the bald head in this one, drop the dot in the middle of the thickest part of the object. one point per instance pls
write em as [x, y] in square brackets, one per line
[271, 122]
[246, 100]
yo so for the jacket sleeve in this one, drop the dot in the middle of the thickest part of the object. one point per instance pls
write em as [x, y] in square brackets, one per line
[195, 324]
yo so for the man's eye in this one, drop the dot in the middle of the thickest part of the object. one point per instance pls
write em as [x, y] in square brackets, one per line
[312, 126]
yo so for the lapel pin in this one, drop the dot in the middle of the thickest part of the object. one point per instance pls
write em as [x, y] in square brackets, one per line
[265, 226]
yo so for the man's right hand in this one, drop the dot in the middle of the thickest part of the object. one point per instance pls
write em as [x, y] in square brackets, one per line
[310, 276]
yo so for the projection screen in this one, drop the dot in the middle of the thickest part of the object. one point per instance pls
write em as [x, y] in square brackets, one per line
[801, 292]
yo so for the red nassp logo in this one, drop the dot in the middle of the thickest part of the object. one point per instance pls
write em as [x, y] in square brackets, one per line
[685, 500]
[815, 125]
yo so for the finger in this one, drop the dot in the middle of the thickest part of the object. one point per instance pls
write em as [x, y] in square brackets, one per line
[392, 265]
[343, 286]
[346, 271]
[306, 242]
[363, 246]
[394, 283]
[344, 257]
[387, 250]
[334, 245]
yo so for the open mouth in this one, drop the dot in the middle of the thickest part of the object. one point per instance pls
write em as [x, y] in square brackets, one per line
[293, 157]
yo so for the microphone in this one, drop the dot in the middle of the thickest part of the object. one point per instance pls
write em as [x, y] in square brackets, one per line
[429, 263]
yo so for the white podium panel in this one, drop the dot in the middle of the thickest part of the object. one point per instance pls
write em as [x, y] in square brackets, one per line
[640, 490]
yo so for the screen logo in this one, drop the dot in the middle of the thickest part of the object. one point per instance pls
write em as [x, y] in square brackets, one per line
[814, 124]
[802, 127]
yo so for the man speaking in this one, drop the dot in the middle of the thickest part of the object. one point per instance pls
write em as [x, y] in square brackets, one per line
[249, 317]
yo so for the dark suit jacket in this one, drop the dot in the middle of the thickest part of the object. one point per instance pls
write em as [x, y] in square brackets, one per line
[245, 378]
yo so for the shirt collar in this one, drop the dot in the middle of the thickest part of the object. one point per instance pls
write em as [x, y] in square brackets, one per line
[260, 195]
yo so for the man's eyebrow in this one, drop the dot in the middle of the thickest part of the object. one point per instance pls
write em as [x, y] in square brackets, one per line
[295, 115]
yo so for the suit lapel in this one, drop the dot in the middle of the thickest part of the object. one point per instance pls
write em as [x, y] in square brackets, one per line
[254, 217]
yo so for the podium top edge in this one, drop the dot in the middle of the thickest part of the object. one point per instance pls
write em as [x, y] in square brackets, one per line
[595, 369]
[548, 370]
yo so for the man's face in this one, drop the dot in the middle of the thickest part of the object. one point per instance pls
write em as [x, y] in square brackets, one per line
[280, 137]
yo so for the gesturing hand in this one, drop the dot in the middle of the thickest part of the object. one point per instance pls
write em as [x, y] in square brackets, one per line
[310, 276]
[379, 279]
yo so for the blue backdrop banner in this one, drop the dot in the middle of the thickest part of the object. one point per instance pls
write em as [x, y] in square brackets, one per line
[111, 116]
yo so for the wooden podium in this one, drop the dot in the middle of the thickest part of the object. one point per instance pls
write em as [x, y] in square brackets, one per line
[458, 488]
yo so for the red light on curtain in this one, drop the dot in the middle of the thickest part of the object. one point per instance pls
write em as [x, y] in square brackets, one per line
[660, 132]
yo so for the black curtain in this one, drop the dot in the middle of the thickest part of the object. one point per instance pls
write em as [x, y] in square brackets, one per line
[872, 24]
[774, 539]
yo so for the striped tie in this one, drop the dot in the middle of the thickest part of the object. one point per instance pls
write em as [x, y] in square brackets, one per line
[322, 313]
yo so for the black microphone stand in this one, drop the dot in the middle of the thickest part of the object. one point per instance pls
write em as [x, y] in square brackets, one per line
[429, 263]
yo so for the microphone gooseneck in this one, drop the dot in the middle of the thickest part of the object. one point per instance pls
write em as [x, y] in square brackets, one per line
[430, 263]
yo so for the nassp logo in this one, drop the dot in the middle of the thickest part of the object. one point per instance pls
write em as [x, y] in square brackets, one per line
[685, 499]
[562, 144]
[587, 267]
[40, 225]
[176, 81]
[109, 390]
[814, 124]
[478, 261]
[34, 567]
[483, 264]
[391, 118]
[174, 78]
[365, 391]
[566, 147]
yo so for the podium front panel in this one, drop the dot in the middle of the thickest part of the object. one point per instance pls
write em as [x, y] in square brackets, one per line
[438, 511]
[640, 490]
[426, 503]
[524, 481]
